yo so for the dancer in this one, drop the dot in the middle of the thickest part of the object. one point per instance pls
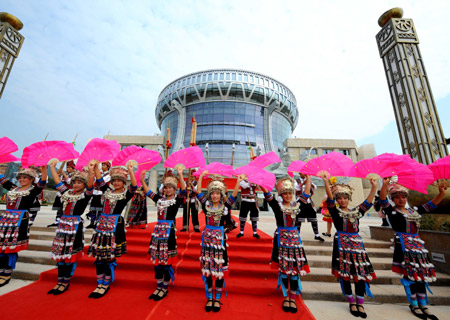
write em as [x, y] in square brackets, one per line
[137, 216]
[163, 244]
[307, 212]
[326, 216]
[410, 256]
[14, 221]
[213, 255]
[350, 260]
[193, 207]
[37, 201]
[65, 178]
[95, 208]
[68, 244]
[248, 203]
[108, 240]
[288, 255]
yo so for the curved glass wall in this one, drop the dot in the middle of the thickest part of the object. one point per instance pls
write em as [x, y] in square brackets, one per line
[171, 118]
[224, 123]
[281, 130]
[230, 106]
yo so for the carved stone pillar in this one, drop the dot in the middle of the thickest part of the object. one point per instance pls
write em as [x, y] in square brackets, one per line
[10, 43]
[418, 122]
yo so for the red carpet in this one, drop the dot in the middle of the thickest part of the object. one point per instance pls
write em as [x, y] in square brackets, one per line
[251, 286]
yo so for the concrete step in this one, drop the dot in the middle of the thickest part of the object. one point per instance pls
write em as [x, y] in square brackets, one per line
[326, 250]
[30, 271]
[383, 293]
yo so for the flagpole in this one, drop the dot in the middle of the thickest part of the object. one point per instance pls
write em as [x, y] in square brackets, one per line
[188, 186]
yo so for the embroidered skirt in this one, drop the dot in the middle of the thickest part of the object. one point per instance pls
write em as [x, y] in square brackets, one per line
[13, 230]
[288, 255]
[137, 216]
[163, 245]
[411, 258]
[213, 253]
[350, 259]
[69, 241]
[108, 240]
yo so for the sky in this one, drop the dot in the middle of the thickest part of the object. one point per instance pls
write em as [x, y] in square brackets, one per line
[93, 67]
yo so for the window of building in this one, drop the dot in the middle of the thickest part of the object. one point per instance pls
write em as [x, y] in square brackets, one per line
[216, 76]
[233, 76]
[227, 76]
[312, 152]
[326, 151]
[239, 77]
[210, 77]
[345, 151]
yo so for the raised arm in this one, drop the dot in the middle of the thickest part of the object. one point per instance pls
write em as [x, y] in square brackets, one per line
[97, 172]
[91, 168]
[327, 188]
[44, 173]
[143, 183]
[236, 187]
[371, 195]
[307, 185]
[55, 174]
[384, 188]
[181, 179]
[200, 181]
[132, 177]
[441, 195]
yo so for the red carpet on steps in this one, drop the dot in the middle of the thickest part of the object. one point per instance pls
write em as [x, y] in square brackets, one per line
[251, 286]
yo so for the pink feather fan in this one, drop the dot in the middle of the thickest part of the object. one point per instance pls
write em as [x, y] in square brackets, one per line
[265, 160]
[375, 168]
[295, 166]
[98, 149]
[216, 168]
[7, 146]
[187, 158]
[415, 176]
[41, 153]
[137, 156]
[330, 164]
[257, 176]
[441, 169]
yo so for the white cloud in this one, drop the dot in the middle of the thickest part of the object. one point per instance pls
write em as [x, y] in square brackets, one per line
[91, 69]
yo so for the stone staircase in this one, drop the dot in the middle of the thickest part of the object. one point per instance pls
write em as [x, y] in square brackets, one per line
[317, 285]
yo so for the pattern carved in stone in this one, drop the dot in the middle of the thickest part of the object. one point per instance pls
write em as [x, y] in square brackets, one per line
[428, 120]
[407, 123]
[415, 71]
[409, 49]
[412, 149]
[403, 25]
[422, 94]
[396, 77]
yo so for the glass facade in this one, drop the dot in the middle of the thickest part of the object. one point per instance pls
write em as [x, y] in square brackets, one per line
[230, 107]
[224, 123]
[281, 130]
[171, 118]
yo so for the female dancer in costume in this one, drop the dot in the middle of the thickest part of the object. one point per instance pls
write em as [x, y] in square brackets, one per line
[213, 255]
[307, 212]
[95, 209]
[163, 245]
[108, 240]
[65, 178]
[14, 221]
[410, 256]
[68, 244]
[288, 255]
[350, 260]
[137, 216]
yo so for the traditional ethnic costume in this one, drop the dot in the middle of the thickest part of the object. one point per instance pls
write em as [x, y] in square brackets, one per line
[96, 206]
[68, 244]
[307, 211]
[248, 203]
[36, 204]
[410, 256]
[14, 221]
[137, 216]
[213, 255]
[108, 240]
[57, 204]
[350, 260]
[288, 255]
[193, 209]
[162, 250]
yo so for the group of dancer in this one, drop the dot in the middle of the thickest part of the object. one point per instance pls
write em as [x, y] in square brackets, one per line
[293, 205]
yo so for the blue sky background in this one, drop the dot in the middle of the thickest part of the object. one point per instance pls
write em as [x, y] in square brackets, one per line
[90, 67]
